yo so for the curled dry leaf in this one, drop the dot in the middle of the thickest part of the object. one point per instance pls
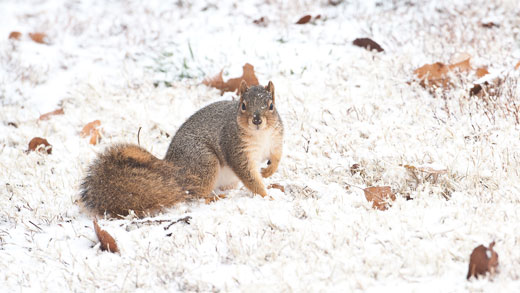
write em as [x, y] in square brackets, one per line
[380, 196]
[276, 186]
[304, 19]
[47, 116]
[248, 74]
[107, 241]
[15, 35]
[482, 260]
[39, 38]
[40, 144]
[367, 44]
[91, 129]
[517, 65]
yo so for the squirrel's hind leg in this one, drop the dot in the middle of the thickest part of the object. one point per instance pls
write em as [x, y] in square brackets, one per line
[200, 177]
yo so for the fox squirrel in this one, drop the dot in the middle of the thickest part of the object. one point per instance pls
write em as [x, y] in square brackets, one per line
[216, 147]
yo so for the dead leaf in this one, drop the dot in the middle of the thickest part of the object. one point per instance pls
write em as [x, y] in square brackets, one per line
[276, 186]
[35, 143]
[517, 65]
[433, 74]
[15, 35]
[91, 129]
[436, 74]
[107, 241]
[380, 196]
[482, 260]
[481, 72]
[304, 19]
[216, 81]
[262, 21]
[47, 116]
[39, 38]
[367, 44]
[248, 74]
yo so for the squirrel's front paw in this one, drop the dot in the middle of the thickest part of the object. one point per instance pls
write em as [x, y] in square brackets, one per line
[266, 172]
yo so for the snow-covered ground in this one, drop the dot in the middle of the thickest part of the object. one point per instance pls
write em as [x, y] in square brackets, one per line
[135, 64]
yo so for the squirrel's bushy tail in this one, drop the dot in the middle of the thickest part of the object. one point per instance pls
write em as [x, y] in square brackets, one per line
[127, 177]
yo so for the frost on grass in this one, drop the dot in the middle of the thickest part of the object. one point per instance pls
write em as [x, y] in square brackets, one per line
[449, 154]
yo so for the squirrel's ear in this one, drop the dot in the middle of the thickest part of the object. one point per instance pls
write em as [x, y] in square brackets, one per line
[270, 88]
[242, 88]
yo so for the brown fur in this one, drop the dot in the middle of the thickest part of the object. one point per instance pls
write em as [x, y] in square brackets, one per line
[127, 177]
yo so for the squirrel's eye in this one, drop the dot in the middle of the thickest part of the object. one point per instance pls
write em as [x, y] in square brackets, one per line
[271, 107]
[243, 106]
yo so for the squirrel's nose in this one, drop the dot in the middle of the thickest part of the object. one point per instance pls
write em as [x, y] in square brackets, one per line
[257, 120]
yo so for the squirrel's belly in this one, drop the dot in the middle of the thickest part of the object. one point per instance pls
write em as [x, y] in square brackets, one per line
[226, 179]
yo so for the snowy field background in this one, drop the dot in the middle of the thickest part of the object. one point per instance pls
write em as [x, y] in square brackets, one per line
[134, 64]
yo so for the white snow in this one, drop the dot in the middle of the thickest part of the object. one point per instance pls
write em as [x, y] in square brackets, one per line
[134, 64]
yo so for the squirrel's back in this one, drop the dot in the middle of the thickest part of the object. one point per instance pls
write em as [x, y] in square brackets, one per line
[127, 177]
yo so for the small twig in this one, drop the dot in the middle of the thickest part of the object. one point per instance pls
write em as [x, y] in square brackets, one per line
[36, 226]
[138, 132]
[185, 220]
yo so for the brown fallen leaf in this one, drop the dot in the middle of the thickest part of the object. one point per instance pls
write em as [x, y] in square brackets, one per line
[481, 72]
[304, 19]
[39, 38]
[517, 65]
[216, 81]
[367, 44]
[433, 74]
[107, 241]
[35, 143]
[482, 260]
[436, 74]
[276, 186]
[47, 116]
[248, 75]
[91, 129]
[15, 35]
[380, 196]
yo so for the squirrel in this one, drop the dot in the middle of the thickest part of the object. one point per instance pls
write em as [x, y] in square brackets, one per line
[221, 144]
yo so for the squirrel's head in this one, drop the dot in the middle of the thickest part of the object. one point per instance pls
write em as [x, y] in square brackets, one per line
[256, 108]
